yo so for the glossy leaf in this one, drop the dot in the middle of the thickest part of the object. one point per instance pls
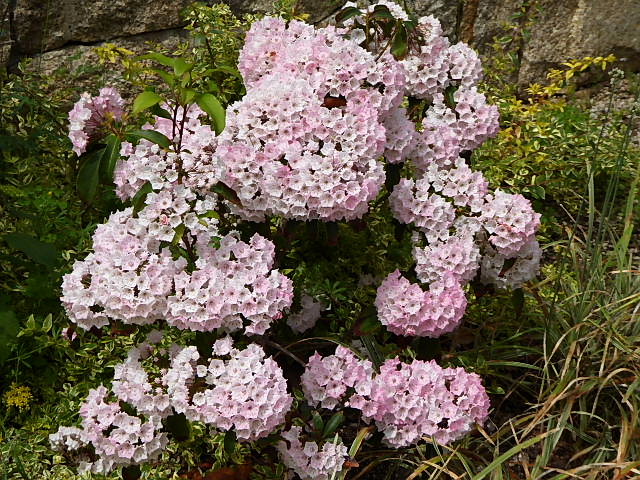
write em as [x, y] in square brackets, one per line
[151, 135]
[214, 109]
[89, 176]
[347, 13]
[138, 199]
[109, 158]
[400, 44]
[145, 100]
[226, 192]
[160, 58]
[333, 424]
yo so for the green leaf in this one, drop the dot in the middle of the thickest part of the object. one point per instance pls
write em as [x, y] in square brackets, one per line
[37, 250]
[178, 235]
[158, 111]
[226, 192]
[151, 135]
[347, 13]
[333, 424]
[400, 44]
[517, 300]
[9, 328]
[166, 76]
[160, 58]
[138, 199]
[109, 158]
[382, 12]
[146, 99]
[188, 94]
[214, 109]
[537, 191]
[318, 422]
[89, 175]
[180, 67]
[230, 442]
[47, 323]
[178, 426]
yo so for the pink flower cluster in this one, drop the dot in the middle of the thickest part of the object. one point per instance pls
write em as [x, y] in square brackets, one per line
[193, 165]
[524, 265]
[310, 152]
[231, 283]
[406, 309]
[327, 380]
[89, 114]
[288, 155]
[118, 438]
[410, 400]
[308, 460]
[458, 255]
[128, 277]
[406, 400]
[510, 221]
[235, 389]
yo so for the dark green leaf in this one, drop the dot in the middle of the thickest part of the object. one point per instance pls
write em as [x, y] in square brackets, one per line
[226, 192]
[318, 423]
[89, 175]
[151, 135]
[178, 426]
[109, 158]
[382, 12]
[230, 442]
[400, 45]
[347, 13]
[333, 424]
[158, 111]
[146, 99]
[214, 109]
[537, 191]
[37, 250]
[138, 199]
[9, 328]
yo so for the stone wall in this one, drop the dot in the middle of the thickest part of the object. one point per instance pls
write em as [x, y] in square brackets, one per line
[558, 30]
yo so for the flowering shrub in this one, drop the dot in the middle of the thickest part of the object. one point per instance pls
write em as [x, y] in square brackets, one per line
[379, 107]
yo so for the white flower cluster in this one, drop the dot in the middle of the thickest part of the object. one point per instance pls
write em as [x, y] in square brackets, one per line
[327, 380]
[306, 318]
[193, 165]
[308, 460]
[237, 389]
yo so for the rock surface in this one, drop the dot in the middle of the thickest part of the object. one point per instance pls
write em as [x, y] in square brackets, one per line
[556, 31]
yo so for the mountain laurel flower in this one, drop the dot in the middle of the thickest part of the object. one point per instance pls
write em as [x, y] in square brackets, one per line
[405, 309]
[410, 400]
[89, 114]
[307, 459]
[513, 271]
[326, 381]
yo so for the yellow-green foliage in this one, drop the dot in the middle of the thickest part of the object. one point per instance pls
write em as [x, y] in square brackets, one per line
[549, 142]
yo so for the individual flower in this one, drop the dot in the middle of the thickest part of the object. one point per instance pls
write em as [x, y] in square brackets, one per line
[405, 309]
[89, 114]
[307, 459]
[410, 400]
[327, 380]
